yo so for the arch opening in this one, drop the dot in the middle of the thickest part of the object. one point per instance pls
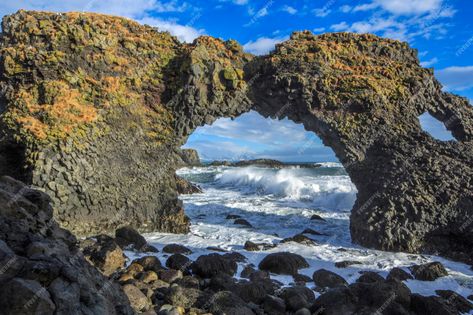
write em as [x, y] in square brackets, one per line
[435, 128]
[271, 173]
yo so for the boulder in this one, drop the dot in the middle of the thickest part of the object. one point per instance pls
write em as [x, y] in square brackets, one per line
[429, 272]
[399, 274]
[347, 263]
[186, 297]
[274, 305]
[298, 278]
[149, 263]
[176, 249]
[328, 279]
[253, 292]
[228, 303]
[298, 297]
[170, 275]
[105, 254]
[234, 256]
[370, 277]
[232, 216]
[283, 263]
[251, 247]
[127, 237]
[207, 266]
[430, 305]
[137, 299]
[455, 301]
[242, 222]
[316, 217]
[179, 262]
[301, 239]
[311, 231]
[185, 187]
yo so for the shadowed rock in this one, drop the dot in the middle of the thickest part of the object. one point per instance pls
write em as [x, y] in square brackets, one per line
[283, 263]
[43, 271]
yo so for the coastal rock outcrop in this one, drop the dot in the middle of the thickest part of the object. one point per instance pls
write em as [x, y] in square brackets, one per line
[43, 271]
[94, 109]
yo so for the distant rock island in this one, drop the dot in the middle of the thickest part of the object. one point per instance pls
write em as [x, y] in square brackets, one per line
[263, 163]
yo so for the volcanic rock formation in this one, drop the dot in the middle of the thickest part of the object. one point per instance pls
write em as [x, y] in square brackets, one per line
[94, 109]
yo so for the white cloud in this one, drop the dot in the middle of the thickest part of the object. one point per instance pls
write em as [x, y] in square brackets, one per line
[253, 136]
[402, 7]
[340, 27]
[263, 45]
[289, 9]
[182, 32]
[318, 29]
[429, 63]
[456, 78]
[240, 2]
[345, 8]
[127, 8]
[323, 12]
[135, 9]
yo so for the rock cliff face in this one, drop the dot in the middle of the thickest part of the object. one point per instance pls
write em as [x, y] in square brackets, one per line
[94, 109]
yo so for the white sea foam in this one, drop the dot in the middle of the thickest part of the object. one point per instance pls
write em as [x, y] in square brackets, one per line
[331, 192]
[279, 203]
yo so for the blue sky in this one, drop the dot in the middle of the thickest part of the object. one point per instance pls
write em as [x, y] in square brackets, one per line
[441, 30]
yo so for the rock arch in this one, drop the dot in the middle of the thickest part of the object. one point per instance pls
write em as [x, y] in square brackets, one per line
[133, 95]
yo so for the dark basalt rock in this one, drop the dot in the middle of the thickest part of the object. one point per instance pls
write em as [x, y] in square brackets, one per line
[252, 247]
[283, 263]
[209, 265]
[101, 104]
[370, 277]
[429, 272]
[399, 274]
[455, 300]
[316, 217]
[185, 187]
[346, 263]
[328, 279]
[392, 297]
[274, 305]
[176, 249]
[105, 254]
[44, 270]
[149, 263]
[128, 238]
[298, 297]
[226, 302]
[301, 239]
[179, 262]
[242, 222]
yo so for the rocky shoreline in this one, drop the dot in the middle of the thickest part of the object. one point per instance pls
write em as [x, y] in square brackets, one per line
[46, 270]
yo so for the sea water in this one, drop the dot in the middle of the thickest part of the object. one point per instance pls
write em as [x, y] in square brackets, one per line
[278, 203]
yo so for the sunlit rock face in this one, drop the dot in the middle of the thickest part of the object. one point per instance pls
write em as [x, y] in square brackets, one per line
[95, 108]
